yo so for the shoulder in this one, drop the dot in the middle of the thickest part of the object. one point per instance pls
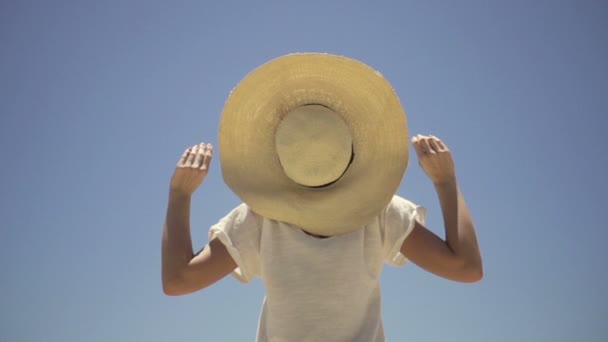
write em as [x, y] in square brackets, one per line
[242, 211]
[401, 209]
[240, 218]
[401, 203]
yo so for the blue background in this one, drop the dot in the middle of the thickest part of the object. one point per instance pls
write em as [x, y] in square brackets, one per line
[99, 99]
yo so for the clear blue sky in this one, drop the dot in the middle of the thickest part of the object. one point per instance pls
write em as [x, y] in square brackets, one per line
[99, 99]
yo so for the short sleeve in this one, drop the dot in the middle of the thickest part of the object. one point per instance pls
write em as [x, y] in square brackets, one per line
[240, 232]
[397, 222]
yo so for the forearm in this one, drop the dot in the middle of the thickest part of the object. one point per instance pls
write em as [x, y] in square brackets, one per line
[176, 243]
[459, 228]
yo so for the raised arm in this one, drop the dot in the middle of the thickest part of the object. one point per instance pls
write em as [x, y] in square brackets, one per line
[457, 257]
[182, 271]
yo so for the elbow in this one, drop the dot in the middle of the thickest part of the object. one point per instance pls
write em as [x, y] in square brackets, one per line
[173, 286]
[178, 285]
[472, 274]
[466, 271]
[171, 289]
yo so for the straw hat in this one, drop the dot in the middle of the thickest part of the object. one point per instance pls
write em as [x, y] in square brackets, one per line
[314, 140]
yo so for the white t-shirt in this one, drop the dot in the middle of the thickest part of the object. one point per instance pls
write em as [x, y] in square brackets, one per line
[317, 289]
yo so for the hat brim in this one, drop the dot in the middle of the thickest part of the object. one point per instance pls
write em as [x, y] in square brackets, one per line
[369, 106]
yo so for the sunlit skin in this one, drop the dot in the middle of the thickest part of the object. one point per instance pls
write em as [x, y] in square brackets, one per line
[457, 257]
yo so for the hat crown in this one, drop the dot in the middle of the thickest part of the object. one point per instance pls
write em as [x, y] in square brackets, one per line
[314, 145]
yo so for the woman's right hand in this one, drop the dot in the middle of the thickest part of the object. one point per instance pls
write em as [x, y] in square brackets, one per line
[191, 169]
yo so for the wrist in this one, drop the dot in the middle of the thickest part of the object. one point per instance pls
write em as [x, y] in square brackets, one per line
[445, 183]
[175, 194]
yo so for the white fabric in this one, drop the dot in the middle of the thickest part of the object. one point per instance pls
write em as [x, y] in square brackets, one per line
[317, 289]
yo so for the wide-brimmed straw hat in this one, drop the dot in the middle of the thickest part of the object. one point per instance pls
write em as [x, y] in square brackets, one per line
[314, 140]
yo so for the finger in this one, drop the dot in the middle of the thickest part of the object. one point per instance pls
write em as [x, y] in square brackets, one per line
[433, 145]
[184, 157]
[439, 143]
[425, 146]
[417, 145]
[191, 156]
[198, 159]
[208, 154]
